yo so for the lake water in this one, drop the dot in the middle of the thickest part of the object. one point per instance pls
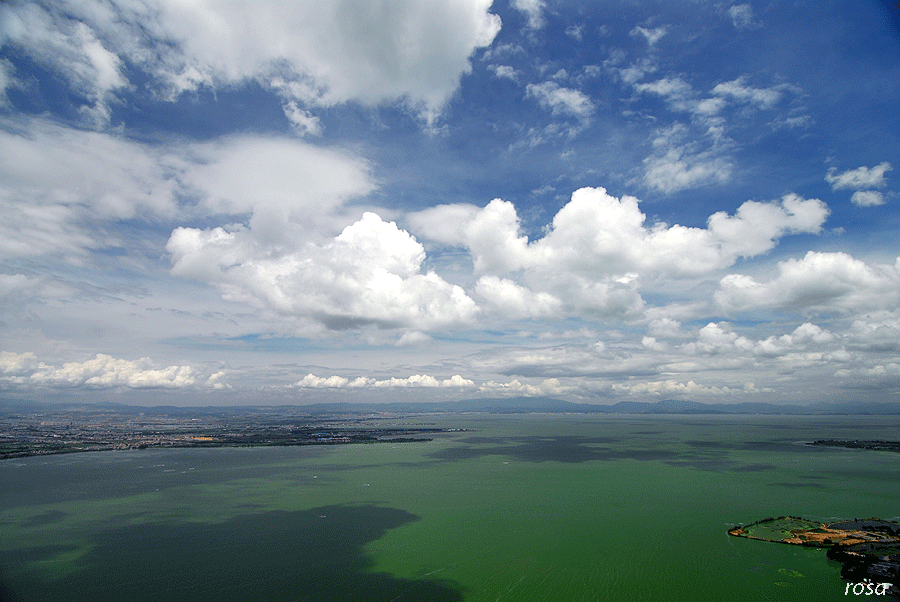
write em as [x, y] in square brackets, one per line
[518, 508]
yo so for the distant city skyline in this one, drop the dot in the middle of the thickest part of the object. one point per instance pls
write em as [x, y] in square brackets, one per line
[216, 203]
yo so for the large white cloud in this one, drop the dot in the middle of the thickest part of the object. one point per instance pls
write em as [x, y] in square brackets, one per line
[817, 283]
[316, 53]
[598, 247]
[755, 226]
[369, 274]
[599, 233]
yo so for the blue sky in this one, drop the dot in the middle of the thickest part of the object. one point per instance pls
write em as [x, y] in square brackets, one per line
[215, 203]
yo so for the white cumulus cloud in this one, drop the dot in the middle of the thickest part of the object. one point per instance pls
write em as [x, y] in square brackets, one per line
[415, 380]
[101, 372]
[720, 339]
[859, 178]
[817, 283]
[316, 382]
[598, 247]
[369, 274]
[17, 363]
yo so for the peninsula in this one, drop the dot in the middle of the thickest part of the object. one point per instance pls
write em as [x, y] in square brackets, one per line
[81, 430]
[869, 549]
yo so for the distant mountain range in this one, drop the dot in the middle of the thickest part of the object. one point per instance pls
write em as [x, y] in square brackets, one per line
[512, 405]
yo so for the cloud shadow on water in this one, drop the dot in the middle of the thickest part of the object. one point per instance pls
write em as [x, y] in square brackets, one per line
[311, 555]
[575, 449]
[45, 518]
[566, 449]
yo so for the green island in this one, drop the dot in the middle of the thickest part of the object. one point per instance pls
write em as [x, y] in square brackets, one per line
[893, 446]
[868, 549]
